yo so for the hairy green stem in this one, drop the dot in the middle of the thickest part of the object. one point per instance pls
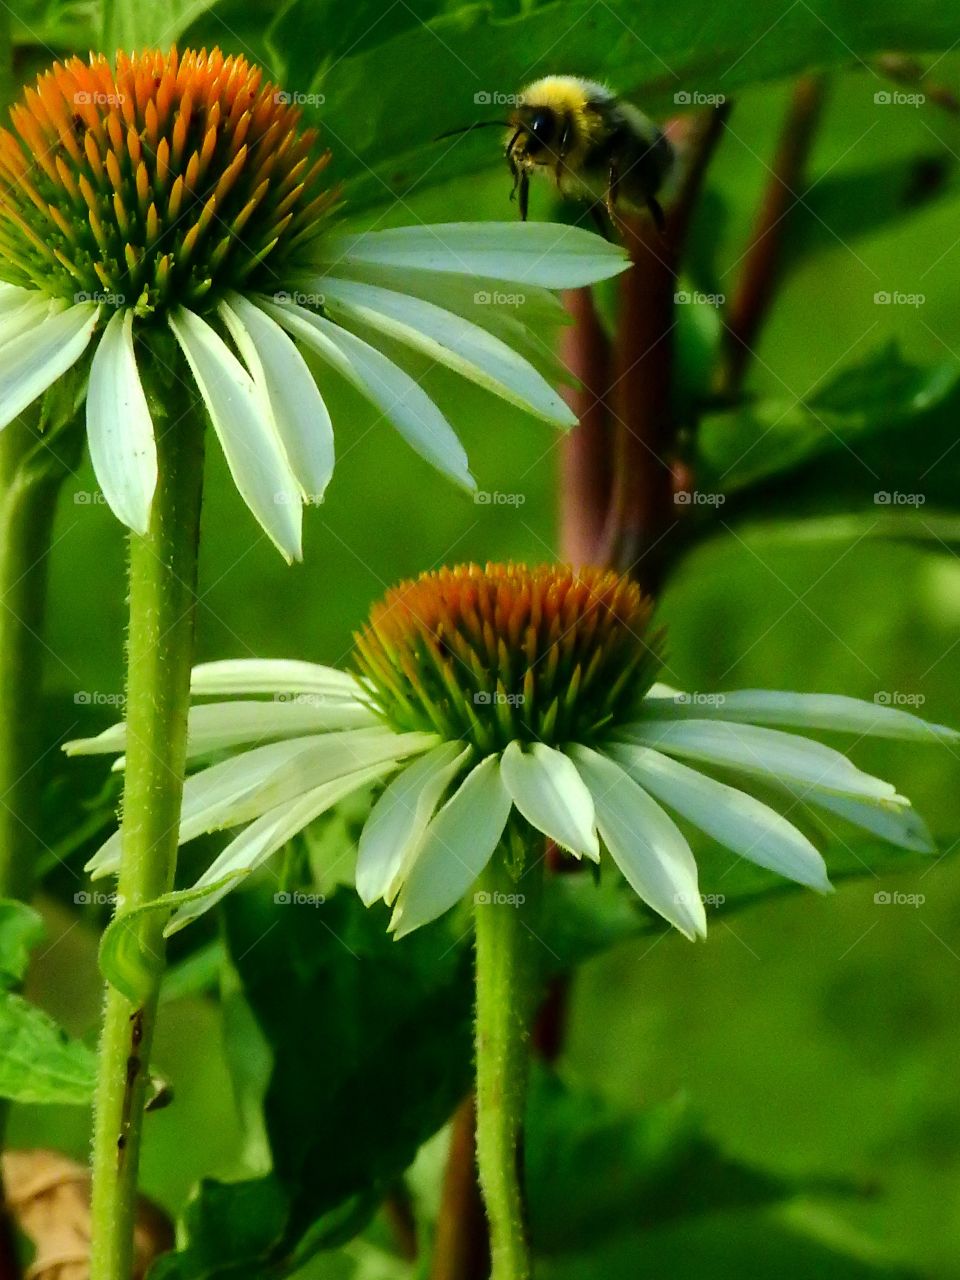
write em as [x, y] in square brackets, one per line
[163, 567]
[506, 914]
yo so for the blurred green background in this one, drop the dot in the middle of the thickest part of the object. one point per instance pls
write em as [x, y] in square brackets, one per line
[815, 1037]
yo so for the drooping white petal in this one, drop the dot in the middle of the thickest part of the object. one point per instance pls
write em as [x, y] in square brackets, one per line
[246, 432]
[448, 339]
[766, 753]
[737, 820]
[13, 296]
[400, 399]
[258, 842]
[119, 426]
[242, 788]
[644, 842]
[537, 253]
[456, 847]
[800, 711]
[547, 789]
[272, 675]
[898, 824]
[33, 361]
[278, 368]
[215, 726]
[399, 818]
[23, 313]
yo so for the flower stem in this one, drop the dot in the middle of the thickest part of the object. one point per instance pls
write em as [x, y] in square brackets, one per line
[162, 580]
[506, 914]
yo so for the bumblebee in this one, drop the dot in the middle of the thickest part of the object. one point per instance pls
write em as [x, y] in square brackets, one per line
[590, 144]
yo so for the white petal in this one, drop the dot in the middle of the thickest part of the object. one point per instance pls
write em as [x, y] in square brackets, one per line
[738, 821]
[451, 340]
[399, 818]
[245, 430]
[400, 399]
[537, 253]
[644, 842]
[767, 753]
[239, 790]
[801, 711]
[216, 726]
[551, 795]
[272, 675]
[898, 824]
[13, 296]
[258, 842]
[37, 358]
[119, 426]
[458, 844]
[281, 372]
[25, 313]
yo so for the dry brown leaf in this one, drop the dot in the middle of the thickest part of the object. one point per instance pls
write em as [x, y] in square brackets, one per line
[49, 1199]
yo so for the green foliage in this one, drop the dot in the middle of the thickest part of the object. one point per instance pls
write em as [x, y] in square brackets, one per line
[38, 1062]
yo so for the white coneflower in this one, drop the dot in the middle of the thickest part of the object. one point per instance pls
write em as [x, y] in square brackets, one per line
[179, 193]
[484, 693]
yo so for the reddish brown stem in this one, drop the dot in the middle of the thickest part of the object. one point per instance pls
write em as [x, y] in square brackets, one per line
[461, 1249]
[762, 263]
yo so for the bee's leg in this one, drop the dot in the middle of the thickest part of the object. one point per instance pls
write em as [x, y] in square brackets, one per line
[657, 214]
[561, 153]
[613, 188]
[523, 192]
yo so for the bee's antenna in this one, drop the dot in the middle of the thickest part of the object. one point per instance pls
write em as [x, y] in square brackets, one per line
[477, 124]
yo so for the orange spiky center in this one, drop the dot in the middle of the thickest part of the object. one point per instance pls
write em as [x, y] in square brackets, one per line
[162, 183]
[488, 655]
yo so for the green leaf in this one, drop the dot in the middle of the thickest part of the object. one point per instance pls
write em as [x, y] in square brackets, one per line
[881, 394]
[582, 919]
[370, 1046]
[38, 1061]
[130, 25]
[593, 1173]
[124, 961]
[384, 142]
[20, 931]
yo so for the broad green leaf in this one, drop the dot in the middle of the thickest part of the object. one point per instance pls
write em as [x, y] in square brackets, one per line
[38, 1061]
[594, 1173]
[383, 141]
[130, 25]
[370, 1043]
[20, 931]
[582, 918]
[879, 395]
